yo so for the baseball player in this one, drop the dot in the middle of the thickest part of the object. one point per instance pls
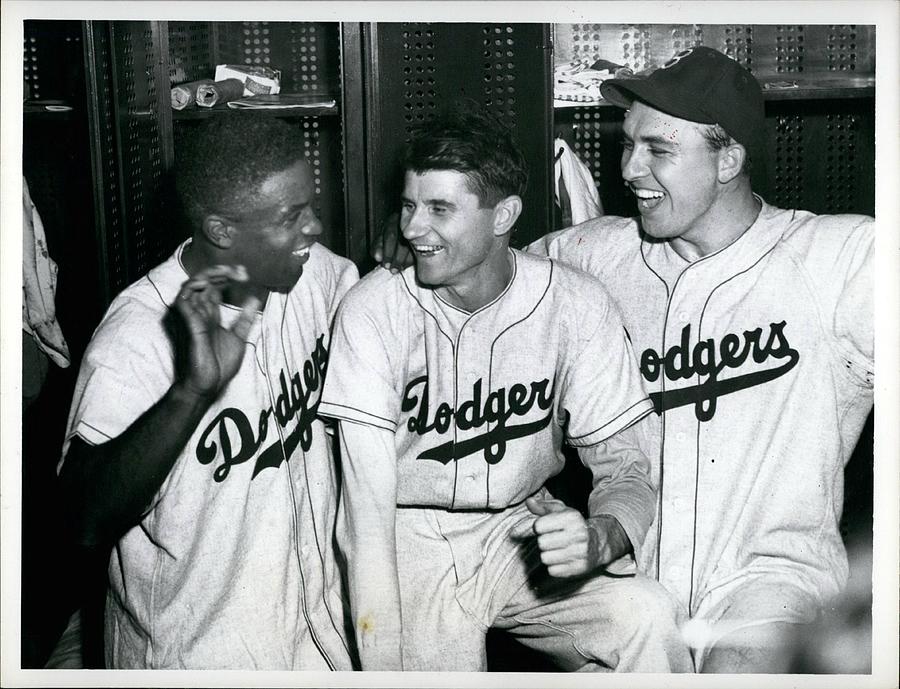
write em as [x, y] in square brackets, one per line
[753, 326]
[456, 383]
[193, 442]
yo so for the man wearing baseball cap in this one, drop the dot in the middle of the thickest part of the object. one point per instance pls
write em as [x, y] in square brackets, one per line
[754, 327]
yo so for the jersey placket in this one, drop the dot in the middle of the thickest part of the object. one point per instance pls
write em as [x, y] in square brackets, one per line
[280, 329]
[472, 381]
[681, 437]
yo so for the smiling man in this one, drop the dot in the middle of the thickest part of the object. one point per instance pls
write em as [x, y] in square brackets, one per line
[193, 445]
[456, 383]
[755, 331]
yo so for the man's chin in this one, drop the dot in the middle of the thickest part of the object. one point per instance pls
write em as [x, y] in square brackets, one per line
[654, 230]
[284, 289]
[424, 277]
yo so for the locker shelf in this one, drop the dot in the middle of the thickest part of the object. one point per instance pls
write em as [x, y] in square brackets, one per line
[784, 87]
[198, 113]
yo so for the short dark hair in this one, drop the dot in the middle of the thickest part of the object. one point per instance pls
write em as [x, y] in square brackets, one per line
[717, 139]
[475, 143]
[222, 161]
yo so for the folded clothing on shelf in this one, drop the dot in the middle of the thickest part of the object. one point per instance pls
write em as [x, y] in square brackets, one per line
[579, 79]
[255, 79]
[222, 91]
[185, 95]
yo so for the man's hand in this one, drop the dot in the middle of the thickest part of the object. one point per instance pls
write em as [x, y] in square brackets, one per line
[571, 545]
[213, 353]
[389, 249]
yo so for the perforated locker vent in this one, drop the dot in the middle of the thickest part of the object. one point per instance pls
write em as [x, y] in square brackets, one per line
[788, 163]
[190, 52]
[310, 57]
[843, 48]
[418, 56]
[497, 66]
[256, 44]
[52, 59]
[628, 45]
[499, 70]
[684, 37]
[789, 48]
[636, 47]
[312, 153]
[31, 66]
[841, 167]
[763, 48]
[589, 134]
[305, 53]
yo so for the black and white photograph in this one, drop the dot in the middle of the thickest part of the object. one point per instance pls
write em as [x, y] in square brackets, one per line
[418, 344]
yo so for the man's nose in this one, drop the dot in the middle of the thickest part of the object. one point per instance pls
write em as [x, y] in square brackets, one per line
[313, 226]
[634, 165]
[412, 223]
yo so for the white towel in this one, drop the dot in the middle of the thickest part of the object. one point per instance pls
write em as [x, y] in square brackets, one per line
[574, 180]
[39, 286]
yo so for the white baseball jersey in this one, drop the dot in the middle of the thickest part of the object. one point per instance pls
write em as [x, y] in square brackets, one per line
[760, 358]
[232, 565]
[479, 403]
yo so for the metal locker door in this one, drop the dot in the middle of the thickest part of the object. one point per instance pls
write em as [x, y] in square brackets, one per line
[129, 151]
[414, 69]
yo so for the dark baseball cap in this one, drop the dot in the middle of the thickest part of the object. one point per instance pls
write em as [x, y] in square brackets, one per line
[700, 85]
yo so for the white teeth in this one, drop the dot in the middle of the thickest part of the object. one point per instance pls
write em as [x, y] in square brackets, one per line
[648, 194]
[302, 252]
[427, 248]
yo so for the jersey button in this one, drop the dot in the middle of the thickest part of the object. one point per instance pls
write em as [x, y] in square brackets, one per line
[680, 436]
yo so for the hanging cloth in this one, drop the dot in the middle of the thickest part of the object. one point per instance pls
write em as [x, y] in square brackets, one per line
[39, 286]
[576, 192]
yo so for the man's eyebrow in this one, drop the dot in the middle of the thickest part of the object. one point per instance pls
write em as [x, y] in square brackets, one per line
[295, 208]
[656, 140]
[440, 202]
[431, 202]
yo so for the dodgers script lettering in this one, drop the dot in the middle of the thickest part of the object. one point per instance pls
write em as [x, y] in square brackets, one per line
[293, 402]
[496, 409]
[709, 358]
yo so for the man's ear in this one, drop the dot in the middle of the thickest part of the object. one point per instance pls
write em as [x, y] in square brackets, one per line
[731, 162]
[506, 212]
[219, 231]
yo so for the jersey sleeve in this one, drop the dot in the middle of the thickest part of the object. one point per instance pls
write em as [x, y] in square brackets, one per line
[359, 382]
[348, 276]
[622, 485]
[854, 317]
[366, 534]
[602, 388]
[126, 369]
